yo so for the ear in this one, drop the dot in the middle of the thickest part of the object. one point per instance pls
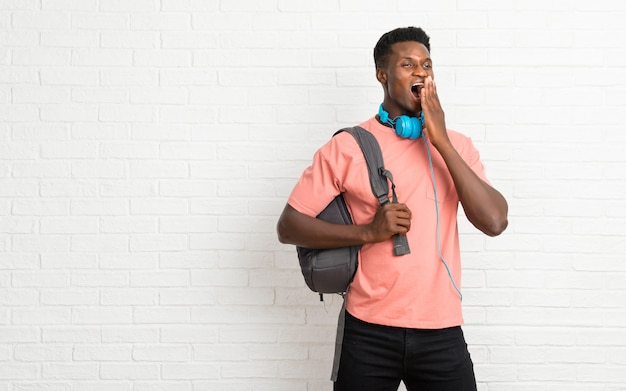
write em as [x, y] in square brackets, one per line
[381, 75]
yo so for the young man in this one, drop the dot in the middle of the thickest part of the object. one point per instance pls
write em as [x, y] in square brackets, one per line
[403, 313]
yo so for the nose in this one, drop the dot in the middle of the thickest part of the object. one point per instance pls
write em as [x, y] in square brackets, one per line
[419, 71]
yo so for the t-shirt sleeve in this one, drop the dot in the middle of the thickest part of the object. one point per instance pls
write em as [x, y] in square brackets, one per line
[318, 184]
[470, 154]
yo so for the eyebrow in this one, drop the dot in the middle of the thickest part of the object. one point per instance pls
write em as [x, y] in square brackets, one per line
[412, 59]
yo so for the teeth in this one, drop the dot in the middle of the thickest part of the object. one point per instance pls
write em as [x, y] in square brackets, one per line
[416, 88]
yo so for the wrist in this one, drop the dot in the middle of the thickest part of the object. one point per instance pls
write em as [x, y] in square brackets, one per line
[440, 140]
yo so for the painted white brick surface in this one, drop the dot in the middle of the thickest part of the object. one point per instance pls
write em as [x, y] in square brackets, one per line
[147, 148]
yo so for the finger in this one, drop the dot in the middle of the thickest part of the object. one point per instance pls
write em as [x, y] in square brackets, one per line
[427, 91]
[402, 229]
[432, 87]
[404, 213]
[405, 224]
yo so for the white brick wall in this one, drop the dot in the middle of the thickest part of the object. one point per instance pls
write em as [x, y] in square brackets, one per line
[148, 146]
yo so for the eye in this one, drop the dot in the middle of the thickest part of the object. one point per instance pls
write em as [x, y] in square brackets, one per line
[427, 65]
[407, 65]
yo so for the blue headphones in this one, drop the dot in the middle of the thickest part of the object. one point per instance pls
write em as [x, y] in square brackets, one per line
[405, 126]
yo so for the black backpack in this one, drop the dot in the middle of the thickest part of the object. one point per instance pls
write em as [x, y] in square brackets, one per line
[332, 270]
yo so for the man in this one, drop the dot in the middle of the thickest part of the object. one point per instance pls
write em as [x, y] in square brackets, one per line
[403, 313]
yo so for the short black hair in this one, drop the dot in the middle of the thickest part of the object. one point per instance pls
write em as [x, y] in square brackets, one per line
[402, 34]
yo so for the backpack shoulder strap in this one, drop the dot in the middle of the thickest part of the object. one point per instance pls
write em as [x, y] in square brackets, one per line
[379, 177]
[374, 160]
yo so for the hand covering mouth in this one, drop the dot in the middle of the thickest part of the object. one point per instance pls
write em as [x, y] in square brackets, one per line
[416, 89]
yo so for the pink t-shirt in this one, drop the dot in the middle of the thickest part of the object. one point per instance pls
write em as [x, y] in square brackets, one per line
[413, 290]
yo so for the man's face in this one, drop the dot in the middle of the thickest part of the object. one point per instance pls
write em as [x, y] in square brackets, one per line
[402, 78]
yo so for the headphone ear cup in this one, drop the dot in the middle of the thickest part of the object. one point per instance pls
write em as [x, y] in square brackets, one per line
[403, 126]
[416, 128]
[408, 127]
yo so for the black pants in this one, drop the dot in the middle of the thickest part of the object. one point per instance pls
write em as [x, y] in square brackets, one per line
[377, 358]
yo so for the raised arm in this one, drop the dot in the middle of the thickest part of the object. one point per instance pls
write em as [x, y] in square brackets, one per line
[484, 206]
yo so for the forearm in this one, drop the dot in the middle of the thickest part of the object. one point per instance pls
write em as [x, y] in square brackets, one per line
[306, 231]
[484, 206]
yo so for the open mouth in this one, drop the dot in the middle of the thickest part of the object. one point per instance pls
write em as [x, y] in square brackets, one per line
[416, 89]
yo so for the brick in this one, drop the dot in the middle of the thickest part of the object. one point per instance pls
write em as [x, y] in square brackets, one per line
[20, 5]
[220, 352]
[188, 77]
[199, 151]
[123, 6]
[47, 279]
[129, 77]
[69, 40]
[99, 243]
[70, 297]
[125, 188]
[191, 40]
[99, 279]
[158, 243]
[187, 224]
[41, 20]
[41, 243]
[125, 113]
[15, 261]
[161, 353]
[161, 58]
[100, 21]
[98, 208]
[99, 95]
[101, 353]
[162, 315]
[128, 225]
[19, 335]
[128, 151]
[159, 279]
[160, 21]
[131, 334]
[103, 386]
[74, 5]
[250, 369]
[126, 297]
[41, 56]
[163, 386]
[189, 5]
[34, 353]
[129, 371]
[69, 225]
[18, 297]
[159, 95]
[123, 261]
[188, 371]
[195, 188]
[129, 40]
[195, 296]
[162, 206]
[158, 169]
[189, 334]
[66, 334]
[98, 169]
[68, 261]
[17, 225]
[18, 371]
